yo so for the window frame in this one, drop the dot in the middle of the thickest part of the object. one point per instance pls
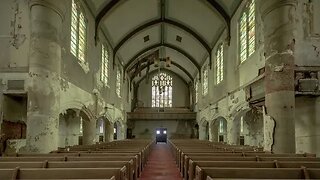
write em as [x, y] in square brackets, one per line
[118, 82]
[104, 78]
[205, 80]
[196, 89]
[79, 10]
[219, 61]
[158, 100]
[246, 10]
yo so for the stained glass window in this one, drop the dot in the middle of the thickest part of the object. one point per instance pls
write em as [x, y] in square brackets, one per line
[196, 91]
[78, 32]
[81, 125]
[118, 83]
[205, 81]
[221, 126]
[104, 65]
[162, 90]
[219, 67]
[247, 31]
[241, 124]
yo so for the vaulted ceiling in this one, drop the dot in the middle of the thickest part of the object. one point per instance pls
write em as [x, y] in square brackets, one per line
[184, 30]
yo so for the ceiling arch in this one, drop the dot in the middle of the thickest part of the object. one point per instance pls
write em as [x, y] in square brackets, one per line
[109, 6]
[167, 21]
[143, 51]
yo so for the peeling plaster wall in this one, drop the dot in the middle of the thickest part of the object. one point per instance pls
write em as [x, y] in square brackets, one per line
[307, 125]
[80, 84]
[14, 52]
[307, 46]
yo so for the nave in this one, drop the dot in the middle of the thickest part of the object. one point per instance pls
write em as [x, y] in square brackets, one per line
[147, 160]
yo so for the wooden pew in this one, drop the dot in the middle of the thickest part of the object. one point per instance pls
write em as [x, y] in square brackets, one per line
[131, 159]
[72, 164]
[246, 164]
[239, 159]
[68, 173]
[208, 173]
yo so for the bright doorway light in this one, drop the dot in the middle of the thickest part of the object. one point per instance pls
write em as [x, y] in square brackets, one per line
[158, 132]
[164, 132]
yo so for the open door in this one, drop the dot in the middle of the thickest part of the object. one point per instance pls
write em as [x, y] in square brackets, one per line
[161, 135]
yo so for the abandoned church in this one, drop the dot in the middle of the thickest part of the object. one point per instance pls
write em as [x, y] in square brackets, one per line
[159, 89]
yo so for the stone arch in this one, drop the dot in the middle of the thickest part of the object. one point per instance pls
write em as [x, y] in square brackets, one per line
[218, 129]
[104, 123]
[79, 106]
[118, 130]
[234, 126]
[203, 129]
[71, 127]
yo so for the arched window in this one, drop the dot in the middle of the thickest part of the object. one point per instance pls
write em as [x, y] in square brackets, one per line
[162, 90]
[78, 42]
[247, 31]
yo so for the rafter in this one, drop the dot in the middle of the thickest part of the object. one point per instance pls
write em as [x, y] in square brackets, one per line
[134, 58]
[164, 70]
[163, 60]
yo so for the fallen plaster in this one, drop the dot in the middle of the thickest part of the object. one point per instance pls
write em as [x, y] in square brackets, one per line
[269, 125]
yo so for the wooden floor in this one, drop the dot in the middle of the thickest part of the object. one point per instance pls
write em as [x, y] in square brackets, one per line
[161, 165]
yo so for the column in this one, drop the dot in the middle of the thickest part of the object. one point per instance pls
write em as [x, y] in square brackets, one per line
[214, 130]
[233, 131]
[109, 130]
[279, 25]
[89, 132]
[203, 131]
[44, 75]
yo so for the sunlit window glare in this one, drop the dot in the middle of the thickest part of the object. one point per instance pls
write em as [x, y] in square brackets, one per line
[164, 132]
[158, 132]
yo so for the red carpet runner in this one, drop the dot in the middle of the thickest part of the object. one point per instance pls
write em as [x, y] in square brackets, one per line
[161, 165]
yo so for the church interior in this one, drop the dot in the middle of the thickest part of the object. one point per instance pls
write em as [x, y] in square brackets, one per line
[159, 89]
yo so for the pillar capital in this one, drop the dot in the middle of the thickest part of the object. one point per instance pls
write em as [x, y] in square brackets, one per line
[57, 6]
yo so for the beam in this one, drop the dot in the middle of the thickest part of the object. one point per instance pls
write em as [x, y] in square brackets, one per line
[165, 70]
[192, 60]
[224, 15]
[163, 60]
[101, 14]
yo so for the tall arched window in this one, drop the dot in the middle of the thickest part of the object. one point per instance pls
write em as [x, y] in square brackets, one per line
[162, 90]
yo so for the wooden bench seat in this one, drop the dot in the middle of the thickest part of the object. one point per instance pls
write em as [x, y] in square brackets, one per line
[68, 173]
[244, 164]
[134, 166]
[73, 164]
[186, 163]
[207, 173]
[249, 156]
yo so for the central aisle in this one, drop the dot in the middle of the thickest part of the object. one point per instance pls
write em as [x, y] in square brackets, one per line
[161, 165]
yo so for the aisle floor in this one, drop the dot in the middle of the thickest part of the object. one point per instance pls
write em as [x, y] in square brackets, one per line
[161, 165]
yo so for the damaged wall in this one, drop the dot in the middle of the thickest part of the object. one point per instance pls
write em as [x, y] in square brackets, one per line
[80, 83]
[307, 125]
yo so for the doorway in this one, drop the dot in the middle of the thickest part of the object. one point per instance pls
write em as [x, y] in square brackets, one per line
[161, 135]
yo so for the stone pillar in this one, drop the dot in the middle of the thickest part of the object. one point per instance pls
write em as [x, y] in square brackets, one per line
[108, 134]
[279, 27]
[89, 132]
[203, 131]
[44, 73]
[214, 131]
[233, 131]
